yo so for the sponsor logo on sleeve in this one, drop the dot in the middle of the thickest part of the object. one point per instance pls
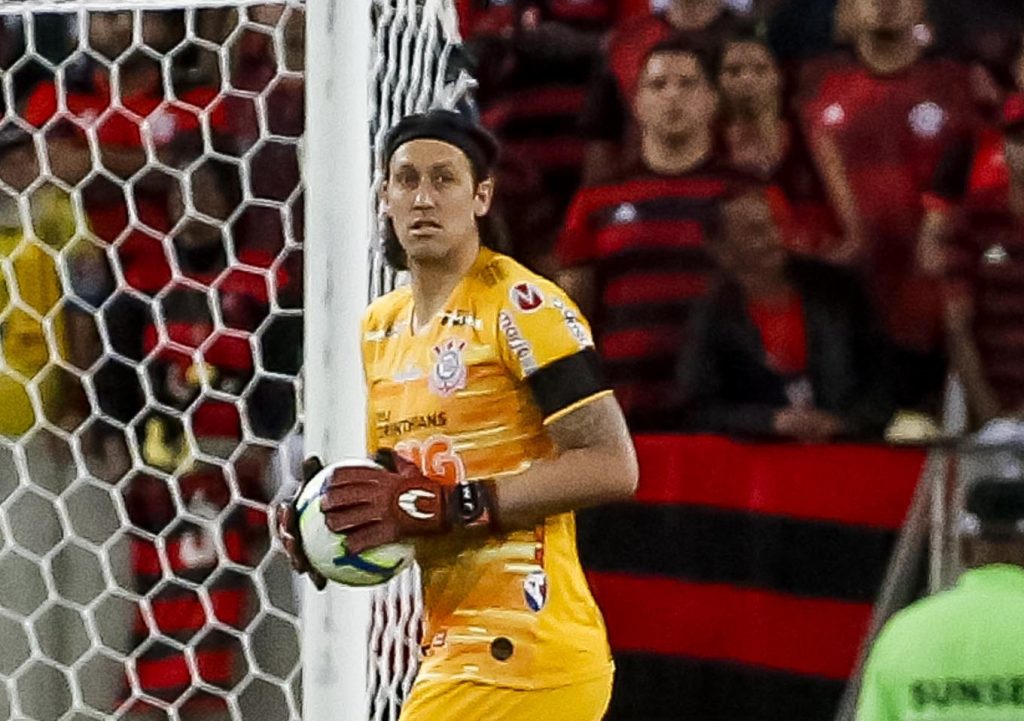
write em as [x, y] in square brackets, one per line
[449, 372]
[526, 297]
[573, 323]
[519, 346]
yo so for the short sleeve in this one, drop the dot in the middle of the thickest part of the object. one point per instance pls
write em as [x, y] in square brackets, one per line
[875, 702]
[41, 105]
[575, 245]
[372, 442]
[546, 342]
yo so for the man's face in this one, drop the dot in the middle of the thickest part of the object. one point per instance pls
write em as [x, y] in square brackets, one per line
[749, 78]
[750, 238]
[433, 200]
[888, 19]
[110, 33]
[674, 99]
[709, 9]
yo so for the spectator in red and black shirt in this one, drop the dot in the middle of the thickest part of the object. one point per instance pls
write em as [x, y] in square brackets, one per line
[202, 365]
[879, 122]
[985, 284]
[760, 139]
[187, 564]
[534, 60]
[633, 252]
[607, 122]
[784, 346]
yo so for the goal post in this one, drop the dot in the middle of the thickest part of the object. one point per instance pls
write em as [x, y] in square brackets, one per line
[338, 172]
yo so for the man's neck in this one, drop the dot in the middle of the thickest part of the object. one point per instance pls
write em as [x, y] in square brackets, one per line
[765, 287]
[674, 158]
[886, 58]
[434, 281]
[692, 18]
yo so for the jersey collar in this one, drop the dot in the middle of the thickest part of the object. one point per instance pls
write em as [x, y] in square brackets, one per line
[996, 577]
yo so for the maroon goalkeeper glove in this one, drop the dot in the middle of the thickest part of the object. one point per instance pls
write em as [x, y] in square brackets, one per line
[373, 507]
[288, 528]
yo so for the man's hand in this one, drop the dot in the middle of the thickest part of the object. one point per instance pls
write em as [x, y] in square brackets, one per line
[288, 528]
[807, 424]
[374, 507]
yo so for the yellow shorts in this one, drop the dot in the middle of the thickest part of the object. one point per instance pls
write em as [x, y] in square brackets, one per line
[469, 701]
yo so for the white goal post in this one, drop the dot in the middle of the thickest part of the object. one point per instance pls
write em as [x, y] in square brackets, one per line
[370, 62]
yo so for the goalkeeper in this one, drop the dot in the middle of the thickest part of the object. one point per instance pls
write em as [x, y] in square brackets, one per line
[483, 381]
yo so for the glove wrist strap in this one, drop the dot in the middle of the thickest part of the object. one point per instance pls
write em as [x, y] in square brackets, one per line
[473, 505]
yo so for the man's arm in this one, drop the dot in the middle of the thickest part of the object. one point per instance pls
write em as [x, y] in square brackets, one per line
[963, 350]
[595, 463]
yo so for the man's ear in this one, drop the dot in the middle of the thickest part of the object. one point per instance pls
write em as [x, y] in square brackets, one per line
[382, 197]
[484, 196]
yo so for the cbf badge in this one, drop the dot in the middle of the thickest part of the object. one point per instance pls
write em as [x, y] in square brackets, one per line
[535, 590]
[449, 372]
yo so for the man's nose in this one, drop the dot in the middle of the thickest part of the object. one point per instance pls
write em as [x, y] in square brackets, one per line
[423, 198]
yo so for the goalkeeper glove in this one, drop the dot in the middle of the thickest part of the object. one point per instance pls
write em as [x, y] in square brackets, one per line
[288, 527]
[374, 507]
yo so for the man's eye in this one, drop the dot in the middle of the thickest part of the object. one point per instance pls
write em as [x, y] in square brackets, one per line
[443, 179]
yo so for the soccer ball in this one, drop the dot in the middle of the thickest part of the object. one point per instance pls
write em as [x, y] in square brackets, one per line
[326, 550]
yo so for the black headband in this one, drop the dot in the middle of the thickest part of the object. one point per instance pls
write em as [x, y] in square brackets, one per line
[450, 127]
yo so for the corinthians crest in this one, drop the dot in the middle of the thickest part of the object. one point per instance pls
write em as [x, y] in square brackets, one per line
[449, 372]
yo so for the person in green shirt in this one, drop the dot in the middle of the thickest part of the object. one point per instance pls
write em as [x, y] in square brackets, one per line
[959, 655]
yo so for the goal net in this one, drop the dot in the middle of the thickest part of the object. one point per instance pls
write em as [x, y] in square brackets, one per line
[152, 226]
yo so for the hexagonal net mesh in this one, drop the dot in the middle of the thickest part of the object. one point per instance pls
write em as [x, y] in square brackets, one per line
[151, 318]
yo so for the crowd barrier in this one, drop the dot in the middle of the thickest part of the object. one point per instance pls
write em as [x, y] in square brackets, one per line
[739, 585]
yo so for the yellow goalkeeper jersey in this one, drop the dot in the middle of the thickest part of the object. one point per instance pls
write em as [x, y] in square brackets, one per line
[467, 397]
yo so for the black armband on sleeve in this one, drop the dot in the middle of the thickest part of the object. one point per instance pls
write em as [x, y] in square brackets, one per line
[567, 381]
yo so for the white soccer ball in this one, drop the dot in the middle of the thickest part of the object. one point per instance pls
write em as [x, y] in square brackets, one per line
[326, 550]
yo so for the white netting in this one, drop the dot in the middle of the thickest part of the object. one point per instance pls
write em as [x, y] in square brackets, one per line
[417, 64]
[150, 306]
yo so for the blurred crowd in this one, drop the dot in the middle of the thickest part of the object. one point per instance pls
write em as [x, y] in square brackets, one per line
[785, 218]
[151, 229]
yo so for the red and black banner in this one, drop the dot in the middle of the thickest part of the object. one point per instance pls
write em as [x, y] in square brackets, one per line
[741, 582]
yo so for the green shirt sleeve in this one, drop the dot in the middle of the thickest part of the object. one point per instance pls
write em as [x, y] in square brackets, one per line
[876, 701]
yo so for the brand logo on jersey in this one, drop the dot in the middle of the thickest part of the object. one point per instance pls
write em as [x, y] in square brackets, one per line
[162, 125]
[197, 549]
[625, 213]
[526, 297]
[461, 318]
[407, 502]
[535, 590]
[573, 323]
[387, 427]
[449, 372]
[834, 114]
[519, 346]
[927, 119]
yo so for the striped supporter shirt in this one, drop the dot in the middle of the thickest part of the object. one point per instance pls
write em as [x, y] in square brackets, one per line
[646, 239]
[190, 553]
